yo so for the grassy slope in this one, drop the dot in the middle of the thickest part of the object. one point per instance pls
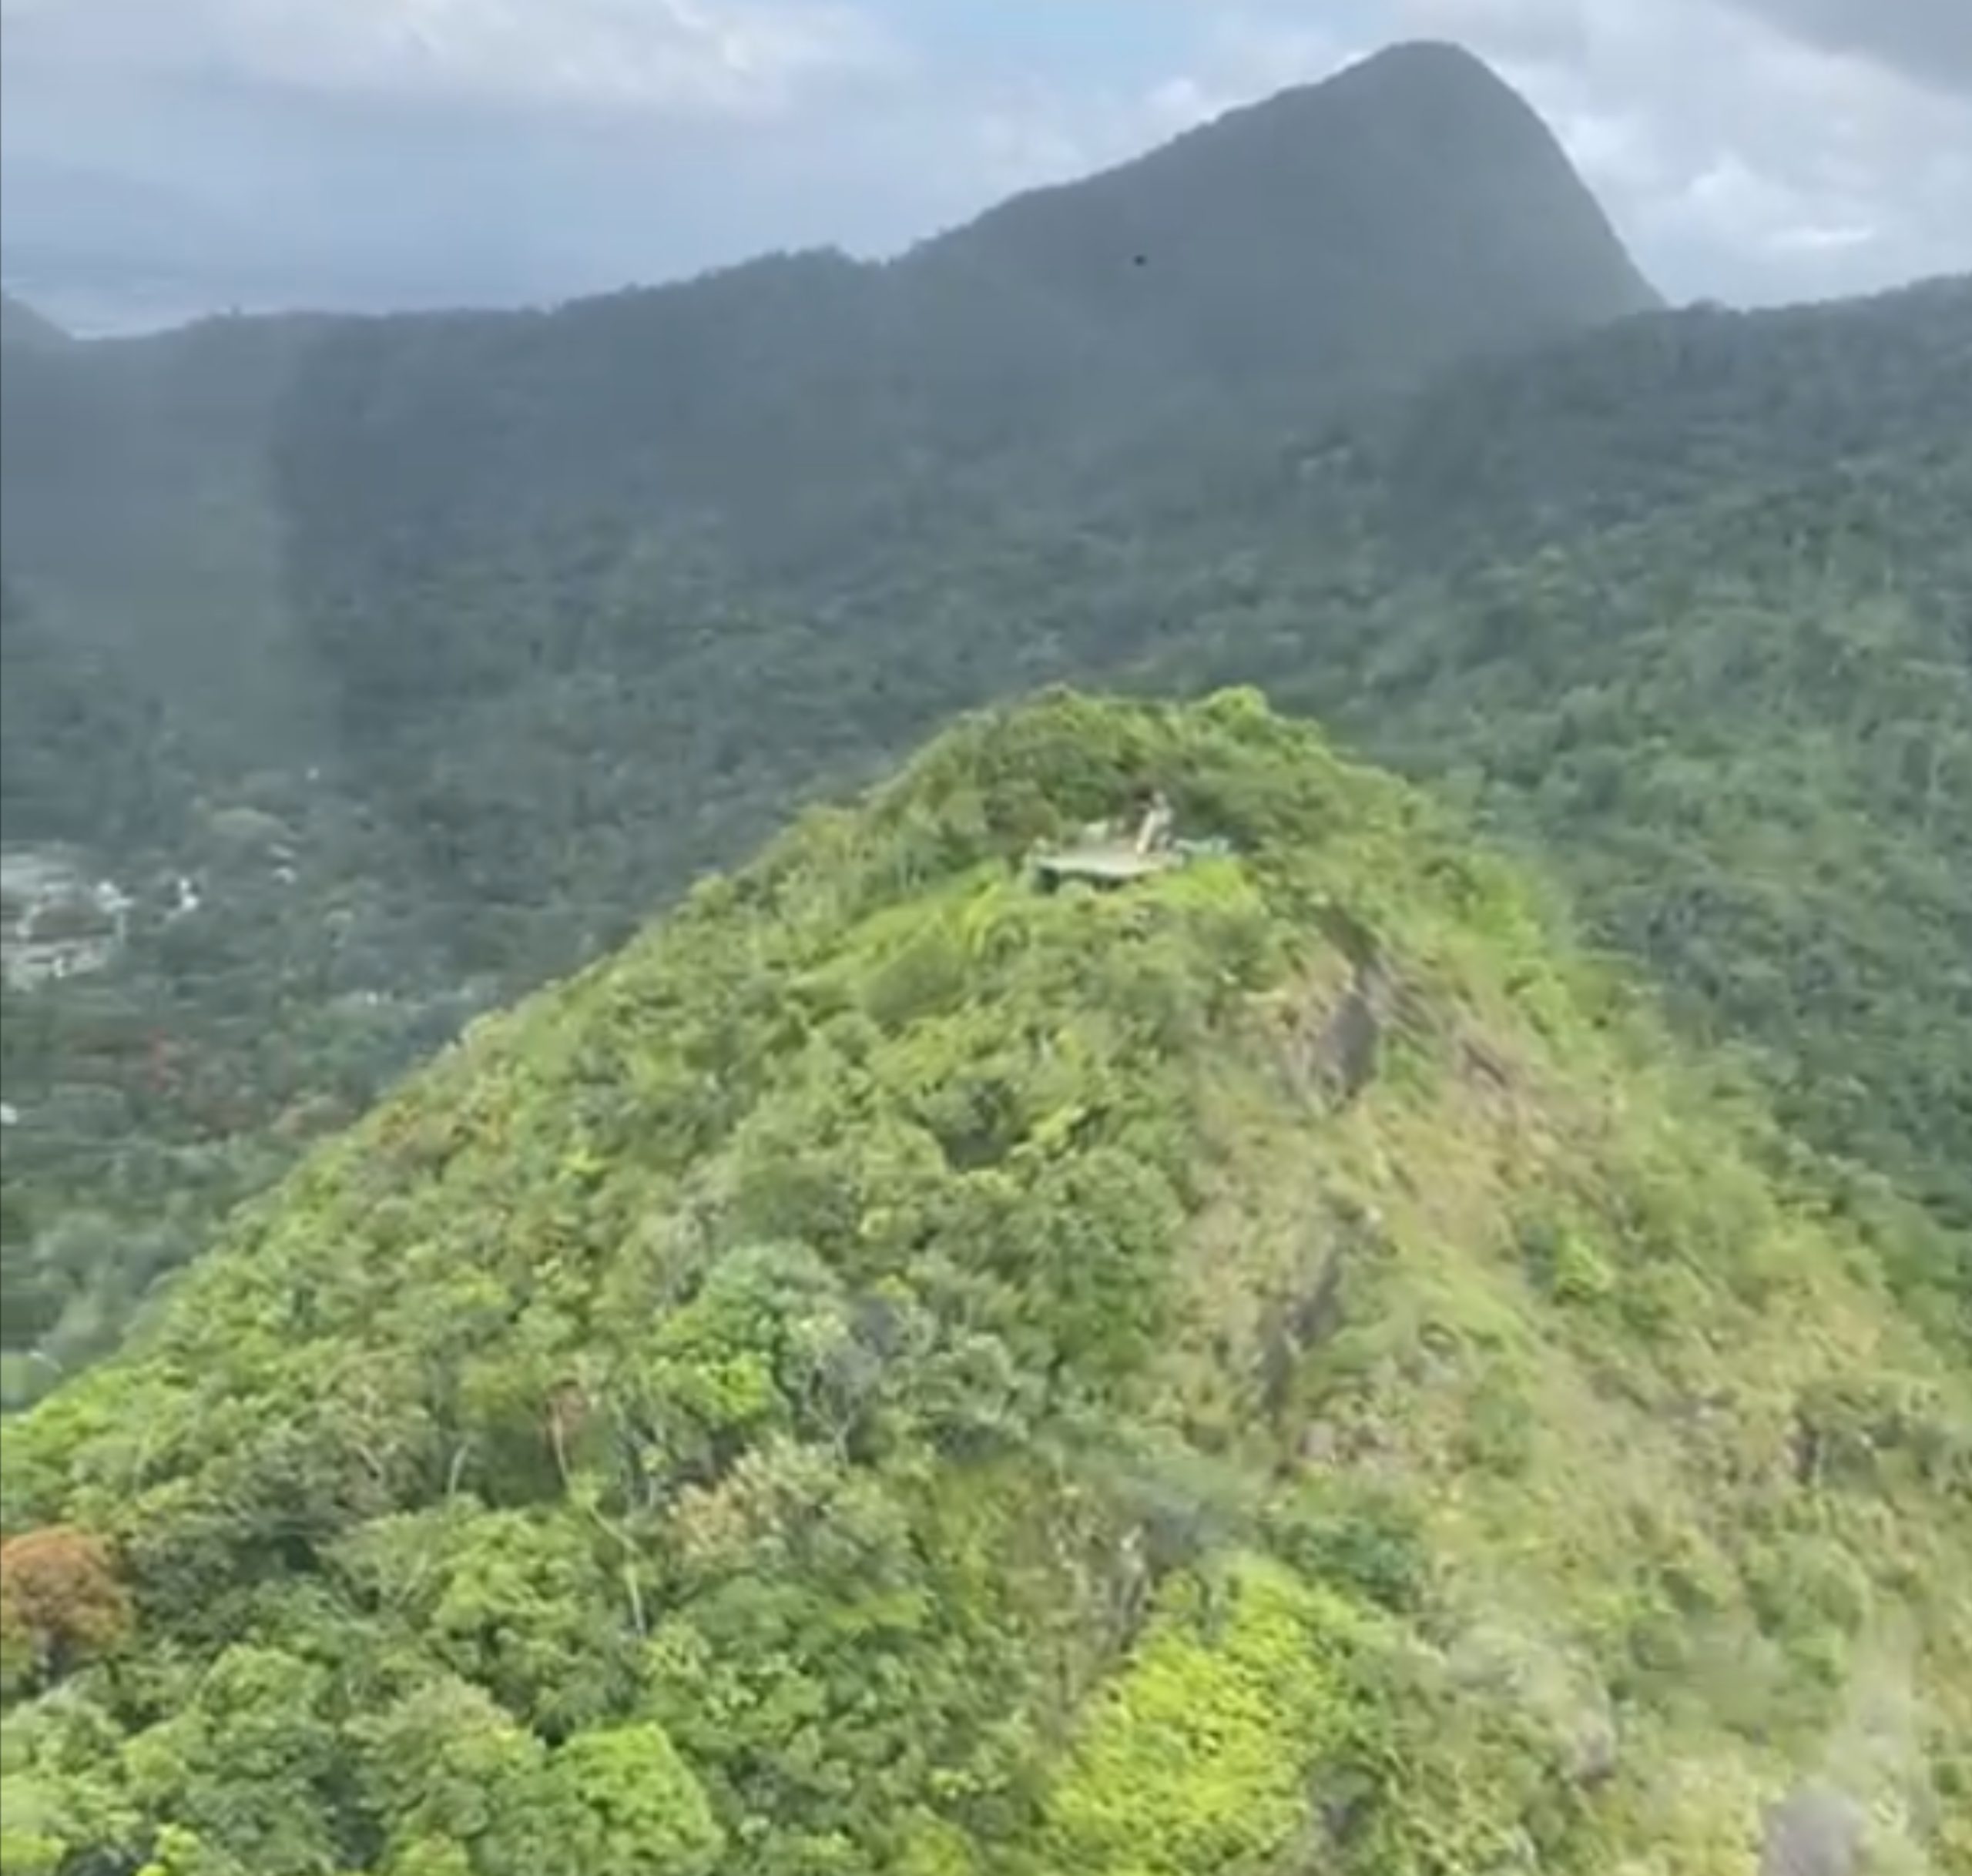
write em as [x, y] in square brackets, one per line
[932, 1379]
[1742, 728]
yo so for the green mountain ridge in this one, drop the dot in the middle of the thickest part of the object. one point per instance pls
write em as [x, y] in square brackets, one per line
[1711, 659]
[1283, 1368]
[324, 568]
[1683, 601]
[1679, 604]
[136, 526]
[770, 421]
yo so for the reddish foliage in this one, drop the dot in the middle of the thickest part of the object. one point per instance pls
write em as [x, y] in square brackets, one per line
[60, 1597]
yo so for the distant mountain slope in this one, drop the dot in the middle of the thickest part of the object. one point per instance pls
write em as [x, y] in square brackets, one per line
[137, 515]
[1276, 1370]
[201, 492]
[1410, 211]
[1340, 239]
[1610, 427]
[22, 327]
[81, 757]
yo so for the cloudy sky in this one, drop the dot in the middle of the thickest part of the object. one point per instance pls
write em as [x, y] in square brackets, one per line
[162, 157]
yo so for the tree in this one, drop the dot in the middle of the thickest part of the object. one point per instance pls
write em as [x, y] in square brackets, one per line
[616, 1803]
[60, 1605]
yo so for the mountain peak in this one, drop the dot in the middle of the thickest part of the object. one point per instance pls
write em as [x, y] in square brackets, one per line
[1411, 209]
[1428, 58]
[1438, 85]
[1408, 65]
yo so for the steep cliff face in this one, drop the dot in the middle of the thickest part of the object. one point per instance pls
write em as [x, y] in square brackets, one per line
[1277, 1366]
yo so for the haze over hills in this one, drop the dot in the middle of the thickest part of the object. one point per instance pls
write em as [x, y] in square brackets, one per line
[1352, 234]
[137, 526]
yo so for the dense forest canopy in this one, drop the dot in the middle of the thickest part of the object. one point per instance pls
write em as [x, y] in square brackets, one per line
[1363, 231]
[1683, 601]
[1280, 1368]
[1431, 1334]
[515, 622]
[347, 567]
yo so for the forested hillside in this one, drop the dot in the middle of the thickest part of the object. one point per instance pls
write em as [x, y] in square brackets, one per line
[135, 523]
[399, 664]
[1282, 1367]
[284, 593]
[190, 496]
[81, 753]
[1428, 1335]
[1715, 653]
[777, 420]
[1685, 601]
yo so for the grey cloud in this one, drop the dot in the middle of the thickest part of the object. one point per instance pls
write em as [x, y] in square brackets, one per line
[683, 57]
[1931, 40]
[364, 206]
[514, 150]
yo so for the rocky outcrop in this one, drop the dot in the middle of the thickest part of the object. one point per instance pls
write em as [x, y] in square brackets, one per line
[1816, 1832]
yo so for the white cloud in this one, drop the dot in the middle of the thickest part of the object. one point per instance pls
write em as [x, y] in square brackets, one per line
[1741, 160]
[673, 55]
[413, 149]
